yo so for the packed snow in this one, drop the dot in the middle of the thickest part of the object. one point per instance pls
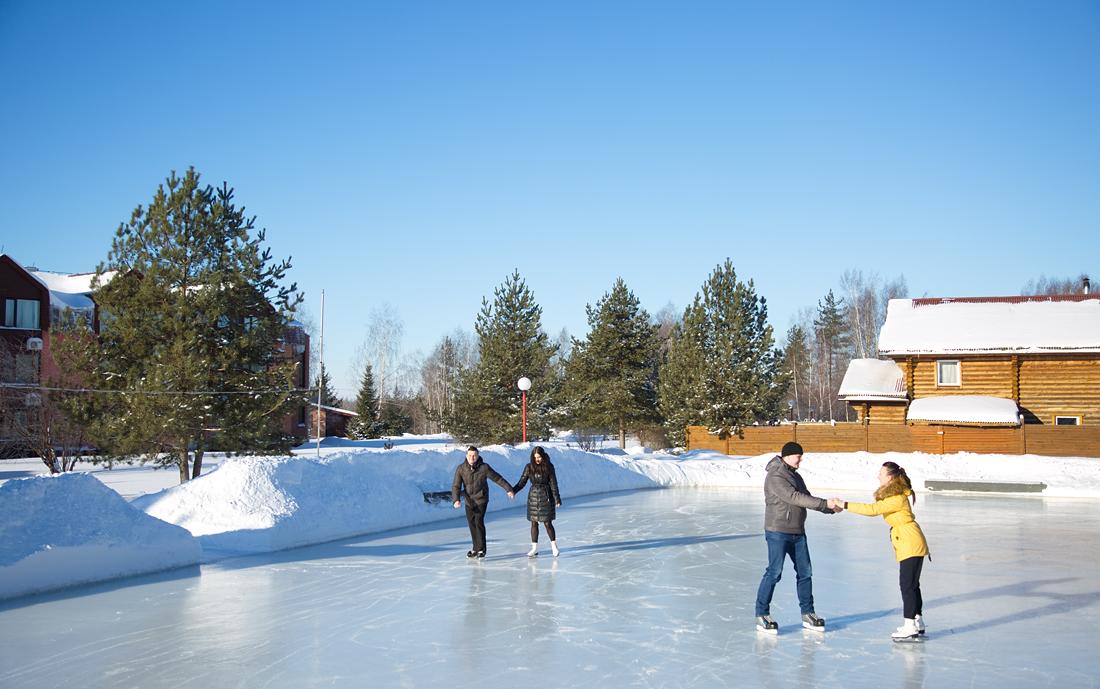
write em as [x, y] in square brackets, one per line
[58, 531]
[263, 504]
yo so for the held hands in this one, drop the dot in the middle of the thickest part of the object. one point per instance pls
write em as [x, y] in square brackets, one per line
[835, 504]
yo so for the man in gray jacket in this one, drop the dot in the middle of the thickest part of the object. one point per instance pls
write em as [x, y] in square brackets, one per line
[472, 478]
[786, 500]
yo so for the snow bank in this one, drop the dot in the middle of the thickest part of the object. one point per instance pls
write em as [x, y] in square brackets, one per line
[259, 504]
[58, 531]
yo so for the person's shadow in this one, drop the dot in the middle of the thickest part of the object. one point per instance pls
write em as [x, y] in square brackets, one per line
[1055, 603]
[646, 544]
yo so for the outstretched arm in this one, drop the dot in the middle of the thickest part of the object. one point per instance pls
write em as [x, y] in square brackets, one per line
[522, 481]
[788, 494]
[499, 480]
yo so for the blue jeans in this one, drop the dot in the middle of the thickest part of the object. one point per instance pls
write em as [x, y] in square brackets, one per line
[781, 545]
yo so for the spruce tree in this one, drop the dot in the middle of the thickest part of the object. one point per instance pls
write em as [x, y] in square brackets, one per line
[723, 370]
[329, 398]
[191, 327]
[511, 344]
[366, 425]
[611, 377]
[796, 362]
[832, 337]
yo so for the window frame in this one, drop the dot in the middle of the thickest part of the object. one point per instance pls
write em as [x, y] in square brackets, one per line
[958, 373]
[12, 304]
[1077, 420]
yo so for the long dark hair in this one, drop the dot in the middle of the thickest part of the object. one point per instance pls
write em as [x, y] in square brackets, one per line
[898, 474]
[540, 469]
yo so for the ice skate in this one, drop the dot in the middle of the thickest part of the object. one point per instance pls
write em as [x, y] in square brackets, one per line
[481, 554]
[554, 548]
[471, 554]
[919, 619]
[766, 624]
[907, 632]
[812, 621]
[534, 550]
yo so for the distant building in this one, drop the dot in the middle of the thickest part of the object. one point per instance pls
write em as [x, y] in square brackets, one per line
[983, 361]
[34, 302]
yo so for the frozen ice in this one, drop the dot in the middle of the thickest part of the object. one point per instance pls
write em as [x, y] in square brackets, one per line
[653, 588]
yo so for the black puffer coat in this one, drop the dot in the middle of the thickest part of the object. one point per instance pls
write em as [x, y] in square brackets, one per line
[543, 495]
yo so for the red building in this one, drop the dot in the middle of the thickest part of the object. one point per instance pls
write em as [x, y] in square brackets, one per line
[33, 301]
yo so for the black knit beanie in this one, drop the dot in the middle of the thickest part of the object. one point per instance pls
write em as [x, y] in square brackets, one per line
[789, 449]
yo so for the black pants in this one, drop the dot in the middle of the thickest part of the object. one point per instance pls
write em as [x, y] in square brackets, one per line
[475, 517]
[909, 577]
[549, 531]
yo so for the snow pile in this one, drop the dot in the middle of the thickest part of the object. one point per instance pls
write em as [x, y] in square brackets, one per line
[71, 529]
[259, 504]
[964, 409]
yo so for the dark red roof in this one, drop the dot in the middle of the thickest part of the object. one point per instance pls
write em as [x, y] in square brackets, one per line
[933, 301]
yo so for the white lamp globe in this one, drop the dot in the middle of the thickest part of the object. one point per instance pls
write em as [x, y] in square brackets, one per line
[524, 383]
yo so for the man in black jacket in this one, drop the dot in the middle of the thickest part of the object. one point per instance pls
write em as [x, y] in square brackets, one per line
[474, 475]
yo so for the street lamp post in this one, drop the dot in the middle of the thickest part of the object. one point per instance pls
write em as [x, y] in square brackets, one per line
[524, 384]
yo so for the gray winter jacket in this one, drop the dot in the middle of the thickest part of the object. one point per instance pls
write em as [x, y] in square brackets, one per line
[786, 499]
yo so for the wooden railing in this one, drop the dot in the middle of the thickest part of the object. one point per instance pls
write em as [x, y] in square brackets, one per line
[1064, 441]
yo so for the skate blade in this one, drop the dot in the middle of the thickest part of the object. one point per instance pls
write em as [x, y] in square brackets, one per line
[915, 639]
[764, 630]
[813, 628]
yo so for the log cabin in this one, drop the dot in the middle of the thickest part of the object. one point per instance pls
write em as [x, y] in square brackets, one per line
[982, 361]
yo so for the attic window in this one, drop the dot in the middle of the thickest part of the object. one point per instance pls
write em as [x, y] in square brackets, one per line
[1067, 420]
[947, 374]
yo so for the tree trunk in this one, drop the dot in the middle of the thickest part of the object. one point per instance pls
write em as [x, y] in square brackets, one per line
[181, 459]
[198, 463]
[622, 434]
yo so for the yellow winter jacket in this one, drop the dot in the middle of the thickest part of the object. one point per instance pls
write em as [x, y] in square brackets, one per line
[905, 534]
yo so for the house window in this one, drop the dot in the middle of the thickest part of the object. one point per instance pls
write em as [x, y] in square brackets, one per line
[1067, 420]
[21, 313]
[947, 373]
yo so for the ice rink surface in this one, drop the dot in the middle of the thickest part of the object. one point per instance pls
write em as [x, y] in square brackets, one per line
[652, 589]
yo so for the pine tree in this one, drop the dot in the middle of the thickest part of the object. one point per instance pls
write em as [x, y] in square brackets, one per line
[796, 361]
[329, 398]
[831, 332]
[723, 370]
[191, 329]
[511, 344]
[611, 377]
[366, 425]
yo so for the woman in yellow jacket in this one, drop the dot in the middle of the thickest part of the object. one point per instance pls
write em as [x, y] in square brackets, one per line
[910, 547]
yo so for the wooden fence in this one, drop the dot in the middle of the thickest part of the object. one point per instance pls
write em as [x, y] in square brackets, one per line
[1065, 441]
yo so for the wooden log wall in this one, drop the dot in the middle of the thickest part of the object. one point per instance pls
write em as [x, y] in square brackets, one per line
[1068, 386]
[1059, 441]
[979, 376]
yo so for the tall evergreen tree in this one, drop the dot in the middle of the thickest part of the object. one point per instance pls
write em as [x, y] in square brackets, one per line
[329, 398]
[511, 345]
[796, 361]
[831, 331]
[366, 425]
[191, 329]
[611, 376]
[723, 370]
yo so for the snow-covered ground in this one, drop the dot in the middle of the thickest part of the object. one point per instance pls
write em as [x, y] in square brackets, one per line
[262, 504]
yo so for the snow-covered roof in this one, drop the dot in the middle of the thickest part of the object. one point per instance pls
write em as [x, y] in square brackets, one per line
[982, 325]
[335, 410]
[967, 409]
[873, 379]
[70, 290]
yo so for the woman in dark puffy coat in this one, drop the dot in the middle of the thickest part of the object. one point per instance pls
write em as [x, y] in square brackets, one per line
[542, 499]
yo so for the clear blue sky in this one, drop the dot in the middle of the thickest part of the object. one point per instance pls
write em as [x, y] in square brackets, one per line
[415, 153]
